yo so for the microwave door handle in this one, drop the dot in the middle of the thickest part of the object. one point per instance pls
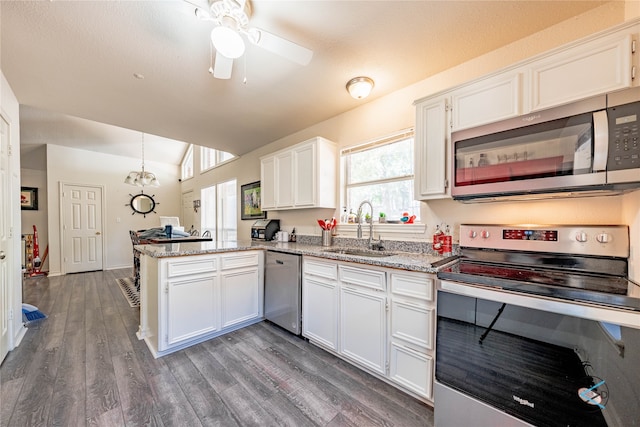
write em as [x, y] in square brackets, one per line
[600, 140]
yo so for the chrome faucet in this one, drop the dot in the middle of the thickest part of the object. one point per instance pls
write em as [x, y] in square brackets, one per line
[359, 216]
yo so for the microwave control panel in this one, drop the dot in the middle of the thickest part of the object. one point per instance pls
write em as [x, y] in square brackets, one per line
[624, 137]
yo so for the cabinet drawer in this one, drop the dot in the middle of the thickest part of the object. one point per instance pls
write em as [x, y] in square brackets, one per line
[195, 265]
[241, 259]
[412, 369]
[412, 285]
[320, 269]
[359, 276]
[413, 323]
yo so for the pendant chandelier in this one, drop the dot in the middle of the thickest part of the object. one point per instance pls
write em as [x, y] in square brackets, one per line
[142, 178]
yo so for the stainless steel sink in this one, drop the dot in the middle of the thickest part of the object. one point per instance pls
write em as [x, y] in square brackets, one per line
[360, 252]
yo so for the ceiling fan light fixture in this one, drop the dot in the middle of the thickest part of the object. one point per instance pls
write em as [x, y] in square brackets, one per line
[227, 41]
[360, 87]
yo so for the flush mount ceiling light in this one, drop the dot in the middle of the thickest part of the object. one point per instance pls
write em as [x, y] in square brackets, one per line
[142, 178]
[360, 87]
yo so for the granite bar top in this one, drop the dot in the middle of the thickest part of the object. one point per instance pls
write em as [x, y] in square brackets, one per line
[411, 261]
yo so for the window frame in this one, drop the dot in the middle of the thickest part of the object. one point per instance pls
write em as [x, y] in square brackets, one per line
[346, 185]
[217, 155]
[188, 156]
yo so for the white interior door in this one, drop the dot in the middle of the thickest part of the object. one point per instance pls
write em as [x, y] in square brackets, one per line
[188, 219]
[81, 228]
[5, 233]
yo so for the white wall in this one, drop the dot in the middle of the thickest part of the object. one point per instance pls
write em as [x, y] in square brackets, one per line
[9, 109]
[73, 166]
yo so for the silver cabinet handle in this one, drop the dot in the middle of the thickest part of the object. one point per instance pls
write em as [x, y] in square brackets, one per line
[2, 255]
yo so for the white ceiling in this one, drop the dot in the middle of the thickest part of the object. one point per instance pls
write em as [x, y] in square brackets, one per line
[72, 63]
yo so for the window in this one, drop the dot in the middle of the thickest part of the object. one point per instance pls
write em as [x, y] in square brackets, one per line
[187, 163]
[219, 211]
[382, 173]
[210, 158]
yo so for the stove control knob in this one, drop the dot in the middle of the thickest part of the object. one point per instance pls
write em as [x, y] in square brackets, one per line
[485, 234]
[473, 234]
[603, 238]
[581, 237]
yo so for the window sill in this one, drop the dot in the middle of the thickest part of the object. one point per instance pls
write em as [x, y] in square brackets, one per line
[384, 228]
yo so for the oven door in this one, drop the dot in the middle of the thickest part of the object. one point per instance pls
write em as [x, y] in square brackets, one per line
[510, 359]
[560, 149]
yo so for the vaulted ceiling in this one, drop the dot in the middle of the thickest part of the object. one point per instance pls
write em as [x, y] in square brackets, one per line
[73, 65]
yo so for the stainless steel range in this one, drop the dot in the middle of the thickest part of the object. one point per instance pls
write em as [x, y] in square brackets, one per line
[538, 325]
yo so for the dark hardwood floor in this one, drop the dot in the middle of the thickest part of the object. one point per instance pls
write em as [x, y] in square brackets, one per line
[84, 366]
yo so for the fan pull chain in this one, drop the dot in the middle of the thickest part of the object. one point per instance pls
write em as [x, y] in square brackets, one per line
[210, 57]
[244, 80]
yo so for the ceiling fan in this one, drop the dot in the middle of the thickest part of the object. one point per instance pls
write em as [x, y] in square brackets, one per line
[231, 18]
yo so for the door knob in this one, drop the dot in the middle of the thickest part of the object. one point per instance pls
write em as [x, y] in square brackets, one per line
[97, 233]
[2, 255]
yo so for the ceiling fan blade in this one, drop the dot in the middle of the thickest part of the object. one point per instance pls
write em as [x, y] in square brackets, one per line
[283, 47]
[223, 66]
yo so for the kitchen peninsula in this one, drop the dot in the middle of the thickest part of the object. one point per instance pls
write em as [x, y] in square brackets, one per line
[191, 292]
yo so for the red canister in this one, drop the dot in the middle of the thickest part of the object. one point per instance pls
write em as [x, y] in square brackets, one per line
[438, 243]
[447, 245]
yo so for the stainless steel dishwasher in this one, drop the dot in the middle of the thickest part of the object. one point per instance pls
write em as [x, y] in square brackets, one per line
[283, 291]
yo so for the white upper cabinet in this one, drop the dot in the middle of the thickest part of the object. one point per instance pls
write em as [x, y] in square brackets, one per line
[301, 176]
[589, 69]
[487, 101]
[430, 149]
[267, 180]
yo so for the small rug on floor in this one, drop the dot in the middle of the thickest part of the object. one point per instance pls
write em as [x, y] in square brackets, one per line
[128, 288]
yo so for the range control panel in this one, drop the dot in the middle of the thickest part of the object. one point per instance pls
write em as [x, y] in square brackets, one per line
[526, 234]
[599, 240]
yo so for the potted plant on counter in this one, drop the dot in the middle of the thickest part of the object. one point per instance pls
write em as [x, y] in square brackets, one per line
[383, 218]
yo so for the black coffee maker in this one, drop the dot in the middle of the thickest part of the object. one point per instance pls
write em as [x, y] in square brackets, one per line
[265, 229]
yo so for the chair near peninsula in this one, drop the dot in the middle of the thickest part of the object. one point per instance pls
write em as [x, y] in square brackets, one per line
[135, 240]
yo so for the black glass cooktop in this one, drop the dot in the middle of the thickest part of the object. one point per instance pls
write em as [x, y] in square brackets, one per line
[600, 289]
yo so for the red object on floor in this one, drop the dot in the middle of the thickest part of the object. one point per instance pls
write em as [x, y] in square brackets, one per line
[37, 262]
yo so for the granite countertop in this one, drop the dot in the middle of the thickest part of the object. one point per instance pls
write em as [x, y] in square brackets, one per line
[411, 261]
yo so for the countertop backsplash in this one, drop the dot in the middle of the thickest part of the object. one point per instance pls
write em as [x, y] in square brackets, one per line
[389, 245]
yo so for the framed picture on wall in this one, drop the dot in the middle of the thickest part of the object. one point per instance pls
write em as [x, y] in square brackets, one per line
[29, 198]
[250, 201]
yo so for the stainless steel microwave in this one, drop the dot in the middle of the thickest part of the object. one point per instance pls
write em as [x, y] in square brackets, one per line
[590, 147]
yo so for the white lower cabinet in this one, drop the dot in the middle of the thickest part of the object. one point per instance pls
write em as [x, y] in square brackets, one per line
[413, 317]
[191, 308]
[412, 369]
[320, 303]
[382, 320]
[189, 299]
[241, 288]
[363, 327]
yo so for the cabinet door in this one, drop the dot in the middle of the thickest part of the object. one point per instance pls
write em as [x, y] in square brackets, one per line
[305, 175]
[413, 322]
[412, 369]
[594, 68]
[268, 183]
[363, 327]
[241, 296]
[487, 101]
[191, 308]
[431, 159]
[320, 311]
[284, 180]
